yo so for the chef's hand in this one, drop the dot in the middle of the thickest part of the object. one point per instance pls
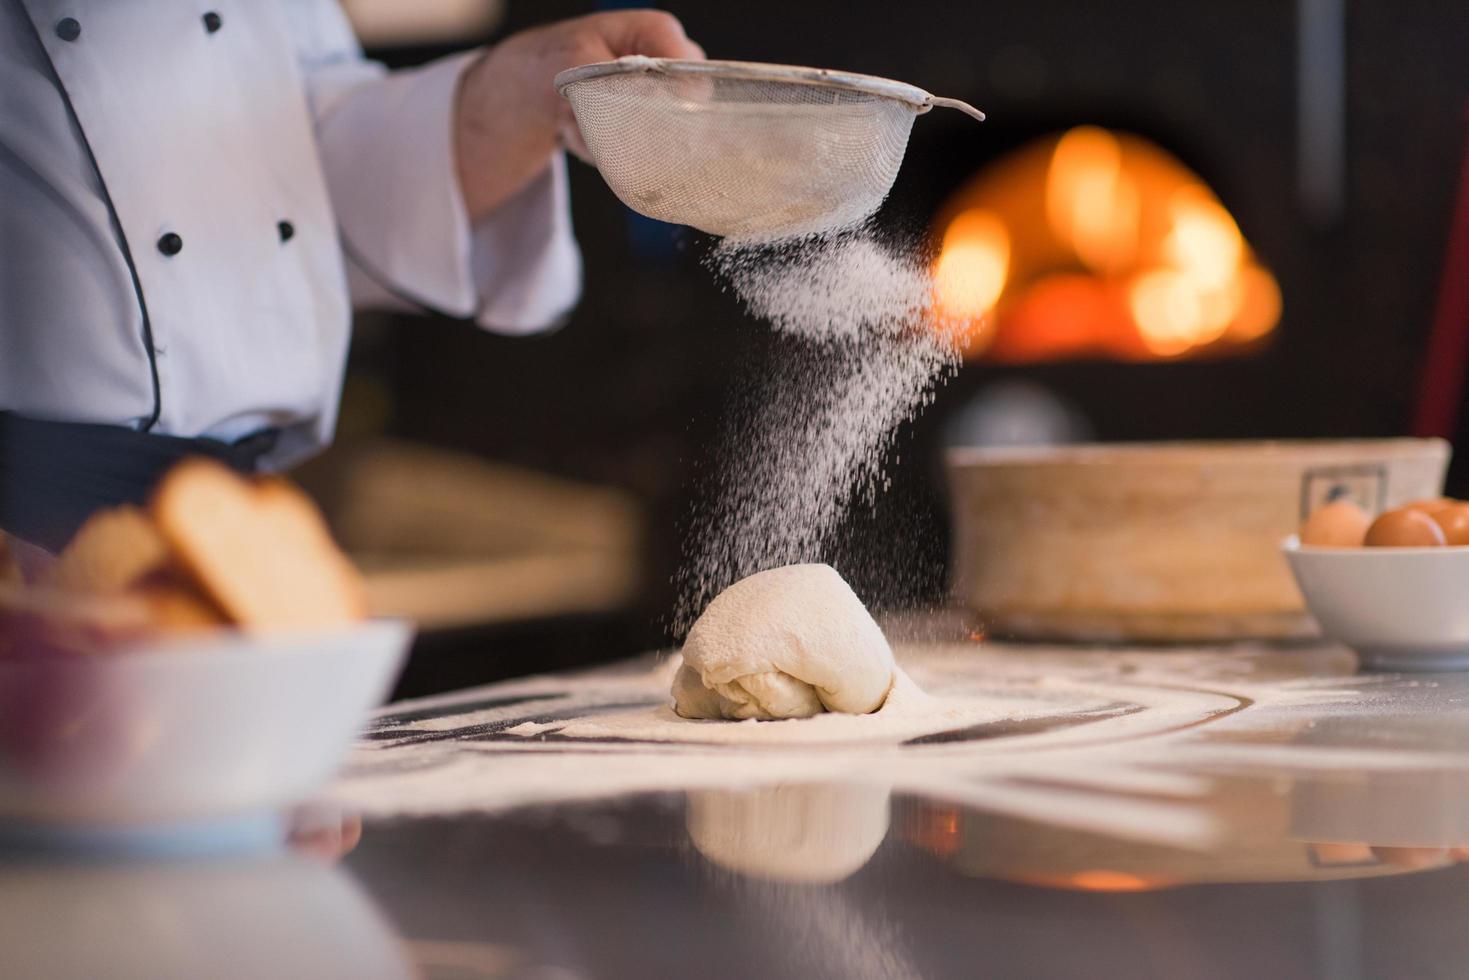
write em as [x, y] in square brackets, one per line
[508, 116]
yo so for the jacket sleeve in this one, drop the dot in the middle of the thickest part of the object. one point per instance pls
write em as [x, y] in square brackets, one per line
[386, 145]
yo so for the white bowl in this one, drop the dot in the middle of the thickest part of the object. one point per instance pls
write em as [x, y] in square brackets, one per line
[188, 733]
[1399, 608]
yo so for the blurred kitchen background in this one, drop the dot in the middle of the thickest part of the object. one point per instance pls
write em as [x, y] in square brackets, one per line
[1182, 220]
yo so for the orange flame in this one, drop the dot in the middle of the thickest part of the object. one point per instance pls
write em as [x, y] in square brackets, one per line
[1091, 203]
[1171, 271]
[970, 275]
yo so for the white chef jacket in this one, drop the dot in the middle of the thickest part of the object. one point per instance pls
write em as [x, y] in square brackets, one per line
[194, 194]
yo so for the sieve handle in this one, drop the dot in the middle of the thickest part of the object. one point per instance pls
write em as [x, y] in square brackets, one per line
[963, 107]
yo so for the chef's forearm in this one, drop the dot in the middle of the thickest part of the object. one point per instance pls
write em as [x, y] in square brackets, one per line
[502, 142]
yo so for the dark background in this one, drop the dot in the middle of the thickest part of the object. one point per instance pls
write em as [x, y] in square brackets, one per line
[630, 391]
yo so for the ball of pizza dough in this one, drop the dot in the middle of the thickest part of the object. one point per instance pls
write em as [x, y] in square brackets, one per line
[788, 642]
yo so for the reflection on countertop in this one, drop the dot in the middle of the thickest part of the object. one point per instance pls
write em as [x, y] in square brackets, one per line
[631, 887]
[271, 916]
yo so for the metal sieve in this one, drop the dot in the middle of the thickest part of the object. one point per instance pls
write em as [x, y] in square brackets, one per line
[742, 149]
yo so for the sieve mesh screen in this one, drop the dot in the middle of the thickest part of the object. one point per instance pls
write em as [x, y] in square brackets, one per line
[739, 155]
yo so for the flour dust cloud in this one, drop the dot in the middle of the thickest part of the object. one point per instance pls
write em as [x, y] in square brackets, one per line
[861, 350]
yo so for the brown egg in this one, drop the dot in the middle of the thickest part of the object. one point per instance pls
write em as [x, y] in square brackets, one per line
[1403, 528]
[1454, 522]
[1339, 524]
[1430, 506]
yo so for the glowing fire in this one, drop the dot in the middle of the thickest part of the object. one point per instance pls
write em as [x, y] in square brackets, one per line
[1091, 203]
[1092, 244]
[973, 263]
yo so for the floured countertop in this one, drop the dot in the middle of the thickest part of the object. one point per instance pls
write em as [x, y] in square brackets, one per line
[1121, 741]
[1023, 811]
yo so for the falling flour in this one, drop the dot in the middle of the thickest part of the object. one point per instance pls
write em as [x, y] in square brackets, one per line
[865, 350]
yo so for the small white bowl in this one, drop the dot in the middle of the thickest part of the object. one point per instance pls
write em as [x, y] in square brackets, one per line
[187, 734]
[1399, 608]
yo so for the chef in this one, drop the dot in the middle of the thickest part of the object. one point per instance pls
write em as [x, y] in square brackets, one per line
[194, 196]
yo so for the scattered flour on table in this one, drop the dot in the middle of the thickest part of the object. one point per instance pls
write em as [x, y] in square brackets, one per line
[865, 349]
[1124, 743]
[907, 713]
[594, 749]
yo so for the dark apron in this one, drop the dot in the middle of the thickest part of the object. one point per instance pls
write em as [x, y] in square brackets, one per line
[54, 475]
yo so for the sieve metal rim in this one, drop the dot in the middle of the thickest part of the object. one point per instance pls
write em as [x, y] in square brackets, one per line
[920, 100]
